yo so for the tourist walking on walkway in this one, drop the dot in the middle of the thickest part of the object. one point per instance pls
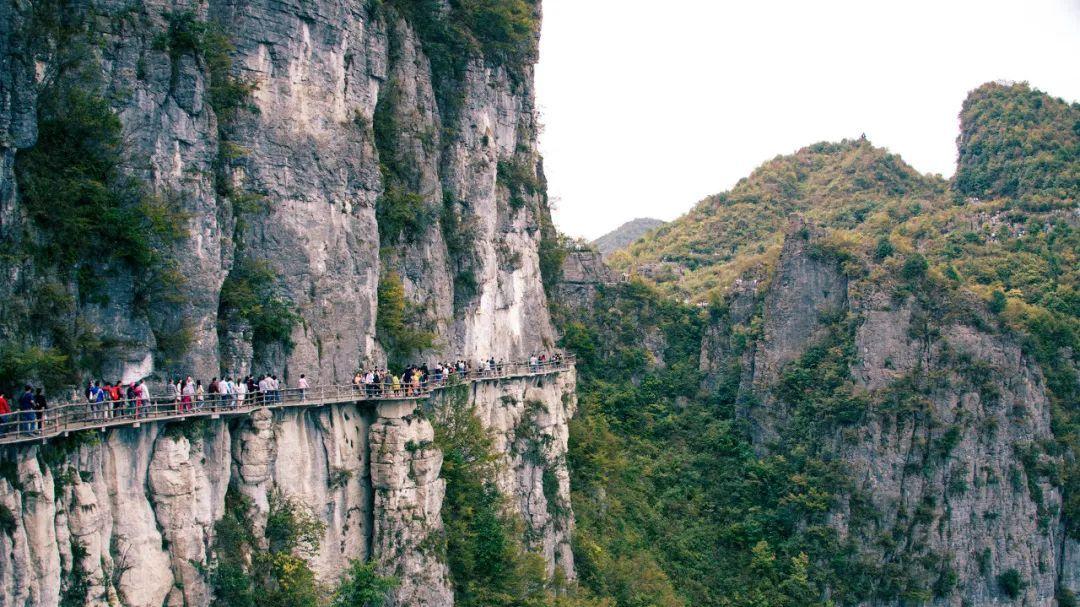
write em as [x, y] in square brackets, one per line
[214, 389]
[5, 414]
[252, 389]
[303, 385]
[26, 409]
[174, 393]
[99, 401]
[241, 391]
[264, 388]
[132, 395]
[115, 396]
[187, 394]
[225, 388]
[39, 410]
[142, 397]
[416, 382]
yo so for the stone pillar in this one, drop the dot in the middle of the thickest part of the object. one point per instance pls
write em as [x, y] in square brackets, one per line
[407, 527]
[254, 450]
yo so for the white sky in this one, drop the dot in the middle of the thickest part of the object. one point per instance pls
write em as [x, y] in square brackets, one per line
[650, 106]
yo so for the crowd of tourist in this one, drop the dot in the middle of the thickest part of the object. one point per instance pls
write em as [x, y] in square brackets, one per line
[419, 379]
[28, 413]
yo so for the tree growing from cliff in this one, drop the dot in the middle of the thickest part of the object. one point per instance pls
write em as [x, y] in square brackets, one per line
[250, 293]
[396, 323]
[363, 587]
[489, 564]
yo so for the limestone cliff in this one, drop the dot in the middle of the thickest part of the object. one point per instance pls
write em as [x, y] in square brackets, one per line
[128, 516]
[942, 424]
[261, 170]
[276, 135]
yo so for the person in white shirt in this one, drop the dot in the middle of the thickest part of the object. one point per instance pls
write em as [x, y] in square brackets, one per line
[142, 397]
[241, 391]
[228, 388]
[264, 388]
[188, 392]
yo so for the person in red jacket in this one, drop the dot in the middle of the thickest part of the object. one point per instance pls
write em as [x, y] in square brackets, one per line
[5, 409]
[113, 390]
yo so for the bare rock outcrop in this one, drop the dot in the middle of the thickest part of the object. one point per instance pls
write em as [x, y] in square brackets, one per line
[408, 501]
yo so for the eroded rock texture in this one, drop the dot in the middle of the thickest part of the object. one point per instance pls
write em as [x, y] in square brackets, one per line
[132, 511]
[288, 178]
[951, 454]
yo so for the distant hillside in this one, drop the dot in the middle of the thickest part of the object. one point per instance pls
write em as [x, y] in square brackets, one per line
[837, 185]
[625, 234]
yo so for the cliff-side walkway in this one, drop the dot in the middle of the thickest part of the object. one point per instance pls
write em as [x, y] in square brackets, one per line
[24, 427]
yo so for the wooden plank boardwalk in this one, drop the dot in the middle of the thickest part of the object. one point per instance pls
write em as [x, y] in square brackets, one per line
[23, 427]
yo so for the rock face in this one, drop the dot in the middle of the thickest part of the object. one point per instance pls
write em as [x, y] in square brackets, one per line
[530, 423]
[950, 453]
[408, 499]
[291, 179]
[131, 511]
[582, 273]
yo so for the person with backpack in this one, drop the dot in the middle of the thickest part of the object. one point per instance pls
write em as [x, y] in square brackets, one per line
[101, 400]
[97, 402]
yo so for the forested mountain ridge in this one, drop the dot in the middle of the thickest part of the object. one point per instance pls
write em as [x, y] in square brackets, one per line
[878, 405]
[838, 184]
[1019, 142]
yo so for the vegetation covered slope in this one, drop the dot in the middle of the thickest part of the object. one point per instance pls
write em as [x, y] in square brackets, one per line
[677, 504]
[834, 184]
[1017, 141]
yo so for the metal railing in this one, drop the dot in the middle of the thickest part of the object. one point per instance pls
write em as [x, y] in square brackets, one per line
[25, 426]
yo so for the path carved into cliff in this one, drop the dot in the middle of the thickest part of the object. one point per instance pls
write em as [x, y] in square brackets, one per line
[69, 418]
